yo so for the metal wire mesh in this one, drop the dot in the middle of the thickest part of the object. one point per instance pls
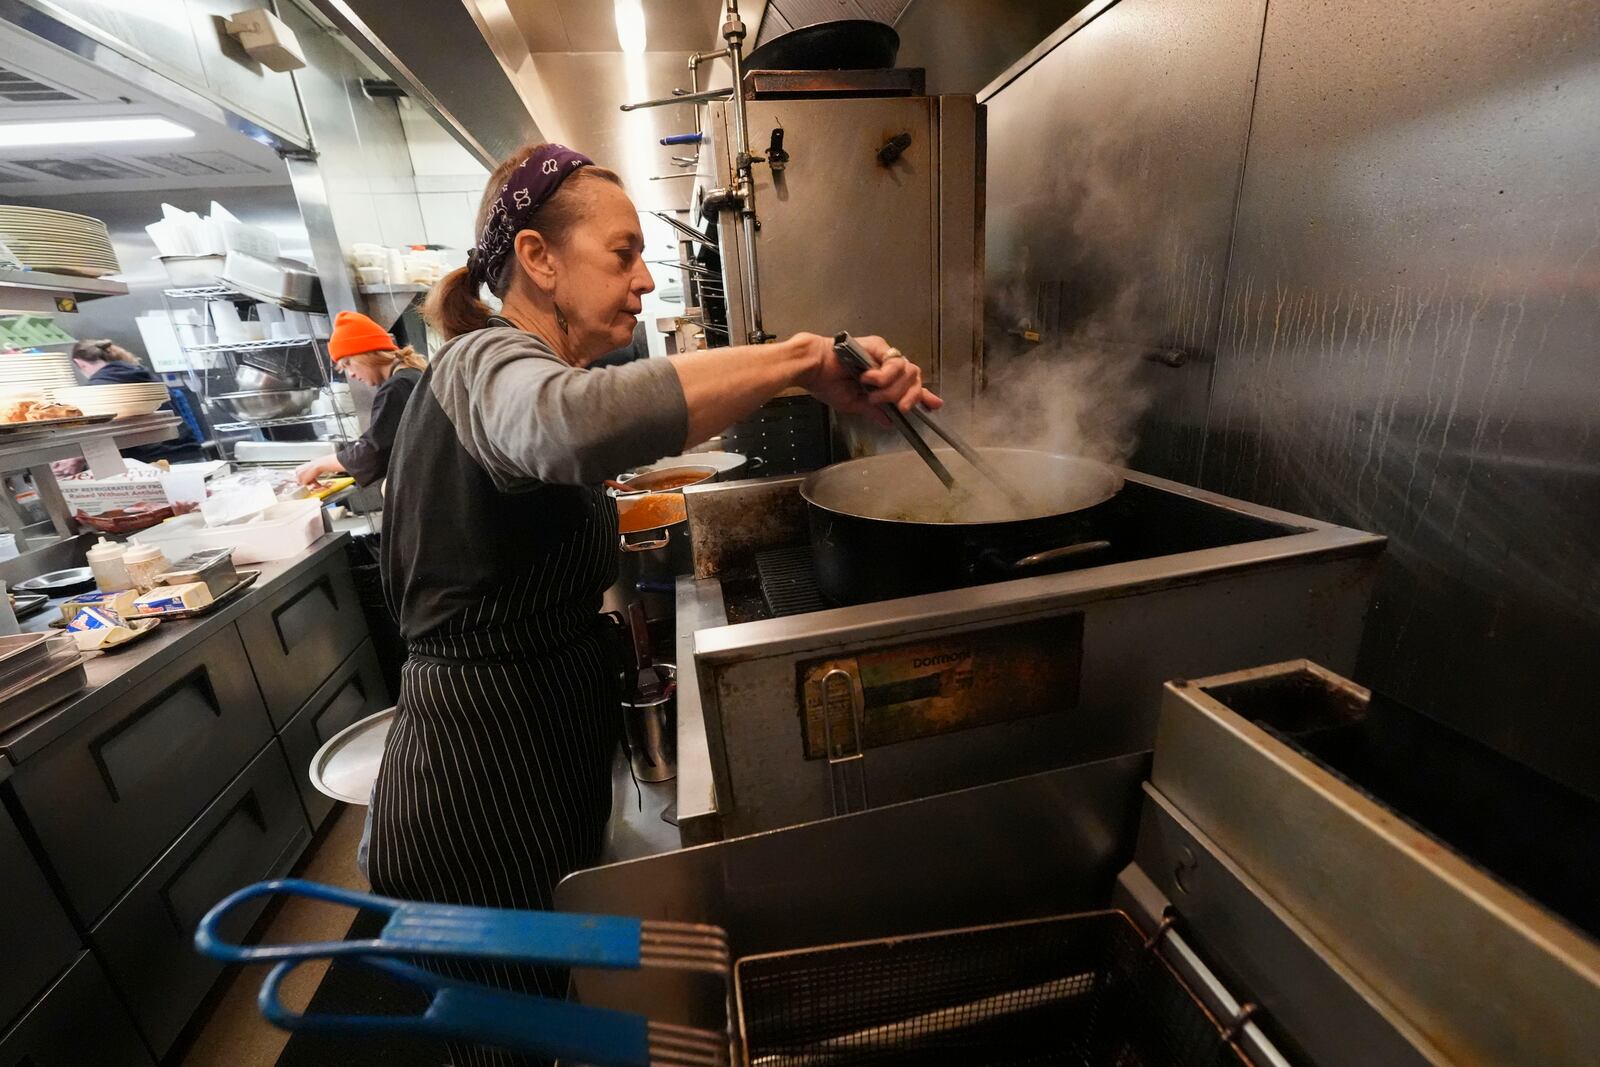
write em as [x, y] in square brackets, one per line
[1081, 990]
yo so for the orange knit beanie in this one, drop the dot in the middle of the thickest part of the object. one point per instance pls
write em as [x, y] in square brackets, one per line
[354, 333]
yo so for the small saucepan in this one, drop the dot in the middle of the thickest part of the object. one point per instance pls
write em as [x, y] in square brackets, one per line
[653, 536]
[728, 465]
[667, 479]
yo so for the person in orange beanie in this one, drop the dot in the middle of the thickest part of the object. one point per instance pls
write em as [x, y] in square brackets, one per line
[363, 351]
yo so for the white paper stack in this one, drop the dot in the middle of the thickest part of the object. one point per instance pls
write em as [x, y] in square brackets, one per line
[184, 233]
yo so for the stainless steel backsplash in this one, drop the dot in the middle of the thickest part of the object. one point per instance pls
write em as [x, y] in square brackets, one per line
[1372, 233]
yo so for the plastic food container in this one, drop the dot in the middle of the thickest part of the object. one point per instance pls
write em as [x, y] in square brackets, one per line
[108, 561]
[283, 282]
[58, 677]
[192, 270]
[283, 530]
[145, 564]
[21, 656]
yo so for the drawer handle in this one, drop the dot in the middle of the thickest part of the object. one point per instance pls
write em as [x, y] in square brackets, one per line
[288, 636]
[120, 752]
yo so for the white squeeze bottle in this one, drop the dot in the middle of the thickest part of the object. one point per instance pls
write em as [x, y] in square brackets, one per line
[106, 560]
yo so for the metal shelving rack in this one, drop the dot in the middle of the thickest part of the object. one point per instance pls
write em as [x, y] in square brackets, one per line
[268, 424]
[205, 292]
[345, 422]
[254, 346]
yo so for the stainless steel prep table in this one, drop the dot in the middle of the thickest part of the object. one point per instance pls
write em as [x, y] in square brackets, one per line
[179, 774]
[112, 675]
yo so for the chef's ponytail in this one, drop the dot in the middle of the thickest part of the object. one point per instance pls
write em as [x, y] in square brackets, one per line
[454, 305]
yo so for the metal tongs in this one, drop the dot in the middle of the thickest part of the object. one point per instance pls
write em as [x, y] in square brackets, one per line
[857, 360]
[463, 1011]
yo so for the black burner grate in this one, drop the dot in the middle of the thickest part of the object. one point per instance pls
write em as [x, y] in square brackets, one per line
[789, 581]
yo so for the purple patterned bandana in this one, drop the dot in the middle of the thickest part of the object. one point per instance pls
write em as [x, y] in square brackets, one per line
[530, 186]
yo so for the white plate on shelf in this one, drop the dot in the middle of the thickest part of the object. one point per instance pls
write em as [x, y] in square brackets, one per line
[120, 401]
[117, 392]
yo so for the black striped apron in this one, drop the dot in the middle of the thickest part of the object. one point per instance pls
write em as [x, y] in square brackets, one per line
[496, 778]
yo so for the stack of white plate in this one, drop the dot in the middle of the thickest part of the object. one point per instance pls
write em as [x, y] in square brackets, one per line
[34, 377]
[139, 398]
[60, 242]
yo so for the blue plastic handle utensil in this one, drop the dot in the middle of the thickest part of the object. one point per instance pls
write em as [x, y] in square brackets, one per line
[683, 138]
[460, 1011]
[535, 937]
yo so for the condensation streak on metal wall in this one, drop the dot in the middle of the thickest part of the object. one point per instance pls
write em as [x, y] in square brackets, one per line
[1405, 336]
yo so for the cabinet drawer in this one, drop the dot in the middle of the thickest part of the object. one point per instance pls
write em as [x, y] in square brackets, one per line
[108, 798]
[299, 636]
[37, 936]
[255, 830]
[77, 1023]
[355, 691]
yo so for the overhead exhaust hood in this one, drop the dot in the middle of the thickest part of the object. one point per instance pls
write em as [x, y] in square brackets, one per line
[438, 55]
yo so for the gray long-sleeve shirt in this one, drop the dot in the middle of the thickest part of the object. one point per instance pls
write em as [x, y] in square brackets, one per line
[493, 490]
[527, 416]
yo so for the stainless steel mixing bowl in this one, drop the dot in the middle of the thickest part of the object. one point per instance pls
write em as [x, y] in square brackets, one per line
[263, 406]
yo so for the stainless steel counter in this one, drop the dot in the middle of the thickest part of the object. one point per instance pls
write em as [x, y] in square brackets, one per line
[113, 674]
[176, 777]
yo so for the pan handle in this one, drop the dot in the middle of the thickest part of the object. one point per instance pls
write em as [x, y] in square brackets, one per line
[468, 1012]
[1040, 559]
[644, 546]
[839, 759]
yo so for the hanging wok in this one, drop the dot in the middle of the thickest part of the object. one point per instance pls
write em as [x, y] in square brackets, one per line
[884, 526]
[844, 44]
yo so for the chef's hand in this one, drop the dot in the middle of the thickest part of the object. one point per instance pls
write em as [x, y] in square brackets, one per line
[308, 473]
[895, 380]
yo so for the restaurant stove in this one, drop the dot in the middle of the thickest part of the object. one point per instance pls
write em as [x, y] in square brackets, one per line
[933, 693]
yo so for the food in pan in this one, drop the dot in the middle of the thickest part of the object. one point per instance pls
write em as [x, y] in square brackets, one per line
[34, 411]
[43, 412]
[118, 605]
[131, 519]
[94, 629]
[168, 598]
[660, 481]
[637, 513]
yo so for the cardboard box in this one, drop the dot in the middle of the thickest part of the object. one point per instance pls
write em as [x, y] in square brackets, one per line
[141, 485]
[165, 598]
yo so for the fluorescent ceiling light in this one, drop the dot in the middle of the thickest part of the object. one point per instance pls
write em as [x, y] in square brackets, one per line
[89, 131]
[630, 24]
